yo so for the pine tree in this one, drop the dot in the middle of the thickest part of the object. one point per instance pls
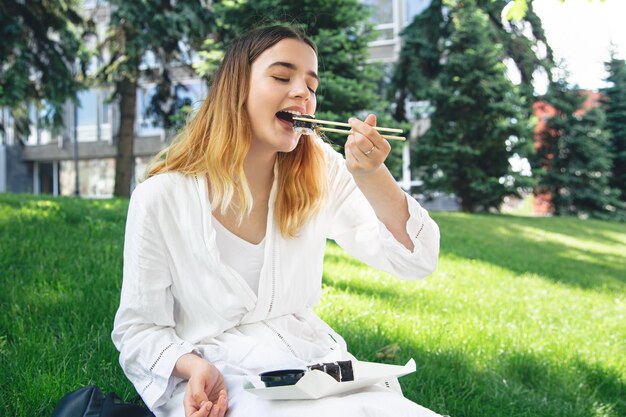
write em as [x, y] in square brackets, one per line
[574, 157]
[615, 104]
[425, 41]
[419, 63]
[477, 123]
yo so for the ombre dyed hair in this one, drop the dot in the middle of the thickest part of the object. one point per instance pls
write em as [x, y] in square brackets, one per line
[216, 141]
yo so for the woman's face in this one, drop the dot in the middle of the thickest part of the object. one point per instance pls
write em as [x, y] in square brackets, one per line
[283, 80]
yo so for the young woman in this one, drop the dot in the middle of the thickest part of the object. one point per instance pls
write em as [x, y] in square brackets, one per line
[225, 243]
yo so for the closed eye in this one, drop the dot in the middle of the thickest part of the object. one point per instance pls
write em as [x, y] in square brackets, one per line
[286, 80]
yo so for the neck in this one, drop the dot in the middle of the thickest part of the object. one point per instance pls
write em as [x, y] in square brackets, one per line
[259, 169]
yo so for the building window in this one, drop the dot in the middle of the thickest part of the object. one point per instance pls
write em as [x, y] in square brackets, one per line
[188, 93]
[381, 15]
[93, 116]
[144, 124]
[88, 108]
[414, 7]
[39, 131]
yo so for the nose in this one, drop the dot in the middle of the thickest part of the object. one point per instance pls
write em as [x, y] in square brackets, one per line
[300, 90]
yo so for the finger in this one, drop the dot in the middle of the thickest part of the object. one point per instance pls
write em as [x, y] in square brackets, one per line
[367, 132]
[366, 127]
[196, 402]
[350, 149]
[189, 405]
[196, 388]
[365, 136]
[370, 119]
[204, 411]
[223, 403]
[361, 149]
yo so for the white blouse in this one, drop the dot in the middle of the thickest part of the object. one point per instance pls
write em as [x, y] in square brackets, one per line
[179, 296]
[245, 258]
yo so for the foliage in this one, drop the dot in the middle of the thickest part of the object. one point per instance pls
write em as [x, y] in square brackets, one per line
[575, 159]
[520, 319]
[425, 41]
[41, 49]
[477, 124]
[615, 107]
[521, 35]
[420, 61]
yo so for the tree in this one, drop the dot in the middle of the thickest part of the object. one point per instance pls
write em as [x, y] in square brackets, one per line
[615, 105]
[477, 124]
[425, 42]
[574, 157]
[420, 61]
[41, 51]
[170, 30]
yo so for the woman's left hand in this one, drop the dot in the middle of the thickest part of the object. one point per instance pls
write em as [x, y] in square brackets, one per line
[366, 149]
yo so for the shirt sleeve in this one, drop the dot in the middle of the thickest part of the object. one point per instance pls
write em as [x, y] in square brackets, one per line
[355, 227]
[143, 330]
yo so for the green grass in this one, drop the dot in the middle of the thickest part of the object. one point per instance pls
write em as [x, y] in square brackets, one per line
[524, 316]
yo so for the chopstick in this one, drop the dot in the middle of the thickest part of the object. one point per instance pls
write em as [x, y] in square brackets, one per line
[349, 132]
[328, 129]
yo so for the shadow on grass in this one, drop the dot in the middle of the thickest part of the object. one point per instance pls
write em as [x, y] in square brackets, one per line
[516, 244]
[515, 384]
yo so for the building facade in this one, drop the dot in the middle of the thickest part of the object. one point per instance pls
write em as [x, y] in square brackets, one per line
[80, 159]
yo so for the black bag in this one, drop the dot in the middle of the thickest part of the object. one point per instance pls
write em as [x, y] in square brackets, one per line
[91, 402]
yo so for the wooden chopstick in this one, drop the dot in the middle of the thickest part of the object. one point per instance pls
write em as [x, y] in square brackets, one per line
[328, 122]
[349, 132]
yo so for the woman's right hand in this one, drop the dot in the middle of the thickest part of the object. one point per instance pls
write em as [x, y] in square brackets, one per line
[205, 394]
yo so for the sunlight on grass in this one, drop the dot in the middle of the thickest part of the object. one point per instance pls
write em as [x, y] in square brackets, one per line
[607, 245]
[523, 335]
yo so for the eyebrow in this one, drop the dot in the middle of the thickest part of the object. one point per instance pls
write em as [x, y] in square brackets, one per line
[292, 67]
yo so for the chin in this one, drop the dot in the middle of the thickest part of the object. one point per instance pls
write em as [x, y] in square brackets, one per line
[287, 144]
[290, 147]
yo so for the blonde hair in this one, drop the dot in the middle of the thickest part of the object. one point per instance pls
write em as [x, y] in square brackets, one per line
[216, 141]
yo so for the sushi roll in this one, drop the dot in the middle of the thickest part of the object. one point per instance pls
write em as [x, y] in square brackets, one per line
[333, 370]
[306, 128]
[347, 373]
[316, 367]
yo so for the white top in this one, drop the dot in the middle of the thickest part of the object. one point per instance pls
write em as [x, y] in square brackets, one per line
[178, 296]
[244, 257]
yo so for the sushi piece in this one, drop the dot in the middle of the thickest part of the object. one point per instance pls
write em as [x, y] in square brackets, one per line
[340, 370]
[347, 373]
[316, 367]
[333, 370]
[304, 127]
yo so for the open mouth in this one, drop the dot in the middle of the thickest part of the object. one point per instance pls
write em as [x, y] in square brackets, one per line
[297, 125]
[286, 116]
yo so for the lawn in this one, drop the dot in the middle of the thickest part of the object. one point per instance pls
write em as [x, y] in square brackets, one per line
[524, 316]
